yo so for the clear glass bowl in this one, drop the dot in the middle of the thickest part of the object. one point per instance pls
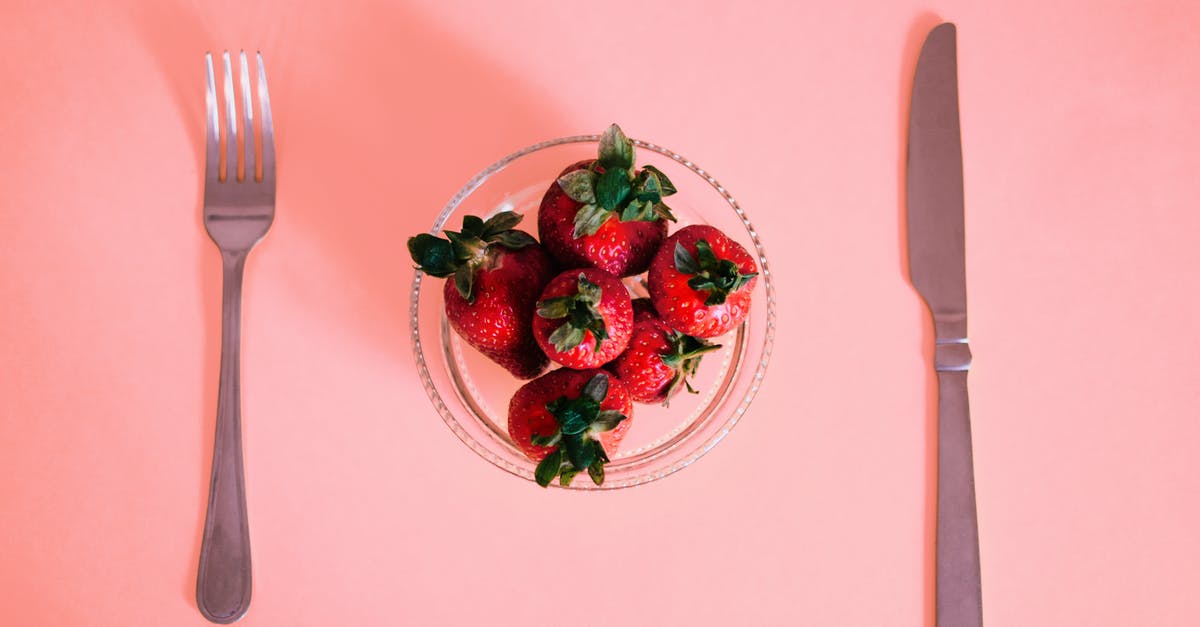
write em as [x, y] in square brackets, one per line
[471, 393]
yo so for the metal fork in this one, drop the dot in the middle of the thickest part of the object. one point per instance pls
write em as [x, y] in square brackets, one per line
[238, 210]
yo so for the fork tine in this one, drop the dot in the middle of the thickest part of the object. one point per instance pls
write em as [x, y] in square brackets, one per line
[212, 134]
[231, 164]
[268, 129]
[247, 122]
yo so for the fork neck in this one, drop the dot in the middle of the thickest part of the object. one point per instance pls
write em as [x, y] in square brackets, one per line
[234, 259]
[234, 264]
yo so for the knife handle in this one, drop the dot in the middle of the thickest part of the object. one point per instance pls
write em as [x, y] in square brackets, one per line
[959, 598]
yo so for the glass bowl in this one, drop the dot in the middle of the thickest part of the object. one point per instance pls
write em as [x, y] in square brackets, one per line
[471, 393]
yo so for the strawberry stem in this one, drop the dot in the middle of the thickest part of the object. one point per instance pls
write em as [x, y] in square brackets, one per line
[684, 359]
[718, 277]
[612, 186]
[577, 449]
[579, 310]
[462, 253]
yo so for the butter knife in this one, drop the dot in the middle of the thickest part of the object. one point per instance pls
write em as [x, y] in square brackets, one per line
[937, 265]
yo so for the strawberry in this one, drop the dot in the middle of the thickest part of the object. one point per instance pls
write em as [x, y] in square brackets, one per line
[570, 421]
[498, 273]
[659, 360]
[583, 319]
[643, 309]
[604, 213]
[700, 281]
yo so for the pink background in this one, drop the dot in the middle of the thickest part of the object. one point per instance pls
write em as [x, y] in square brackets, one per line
[1080, 133]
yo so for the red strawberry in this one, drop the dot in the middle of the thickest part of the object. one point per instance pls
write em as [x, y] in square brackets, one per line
[498, 273]
[583, 319]
[605, 213]
[570, 421]
[643, 309]
[700, 281]
[659, 360]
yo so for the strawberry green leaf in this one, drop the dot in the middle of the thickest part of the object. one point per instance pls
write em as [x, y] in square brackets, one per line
[503, 221]
[580, 451]
[715, 297]
[581, 313]
[596, 388]
[472, 226]
[591, 453]
[512, 239]
[464, 252]
[589, 219]
[464, 279]
[579, 419]
[612, 188]
[461, 245]
[688, 347]
[433, 255]
[644, 202]
[567, 337]
[572, 448]
[612, 185]
[545, 440]
[554, 308]
[684, 359]
[705, 254]
[701, 282]
[684, 262]
[596, 472]
[588, 292]
[548, 468]
[616, 151]
[574, 420]
[665, 183]
[676, 381]
[640, 211]
[718, 277]
[631, 211]
[576, 417]
[579, 185]
[599, 333]
[662, 211]
[647, 186]
[723, 279]
[743, 279]
[607, 421]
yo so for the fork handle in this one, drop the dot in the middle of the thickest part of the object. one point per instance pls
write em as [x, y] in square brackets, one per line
[223, 580]
[959, 598]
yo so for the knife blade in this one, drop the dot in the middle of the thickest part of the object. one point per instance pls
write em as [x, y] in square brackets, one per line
[937, 265]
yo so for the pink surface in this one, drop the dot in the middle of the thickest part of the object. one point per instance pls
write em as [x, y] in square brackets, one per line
[1080, 133]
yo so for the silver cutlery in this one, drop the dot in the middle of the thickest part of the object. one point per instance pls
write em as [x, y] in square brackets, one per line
[238, 210]
[938, 268]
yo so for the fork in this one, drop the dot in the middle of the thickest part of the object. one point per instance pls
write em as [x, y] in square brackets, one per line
[238, 210]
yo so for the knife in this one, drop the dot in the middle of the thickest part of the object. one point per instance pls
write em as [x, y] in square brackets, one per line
[938, 268]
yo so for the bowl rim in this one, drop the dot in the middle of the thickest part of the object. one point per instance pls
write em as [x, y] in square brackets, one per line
[688, 458]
